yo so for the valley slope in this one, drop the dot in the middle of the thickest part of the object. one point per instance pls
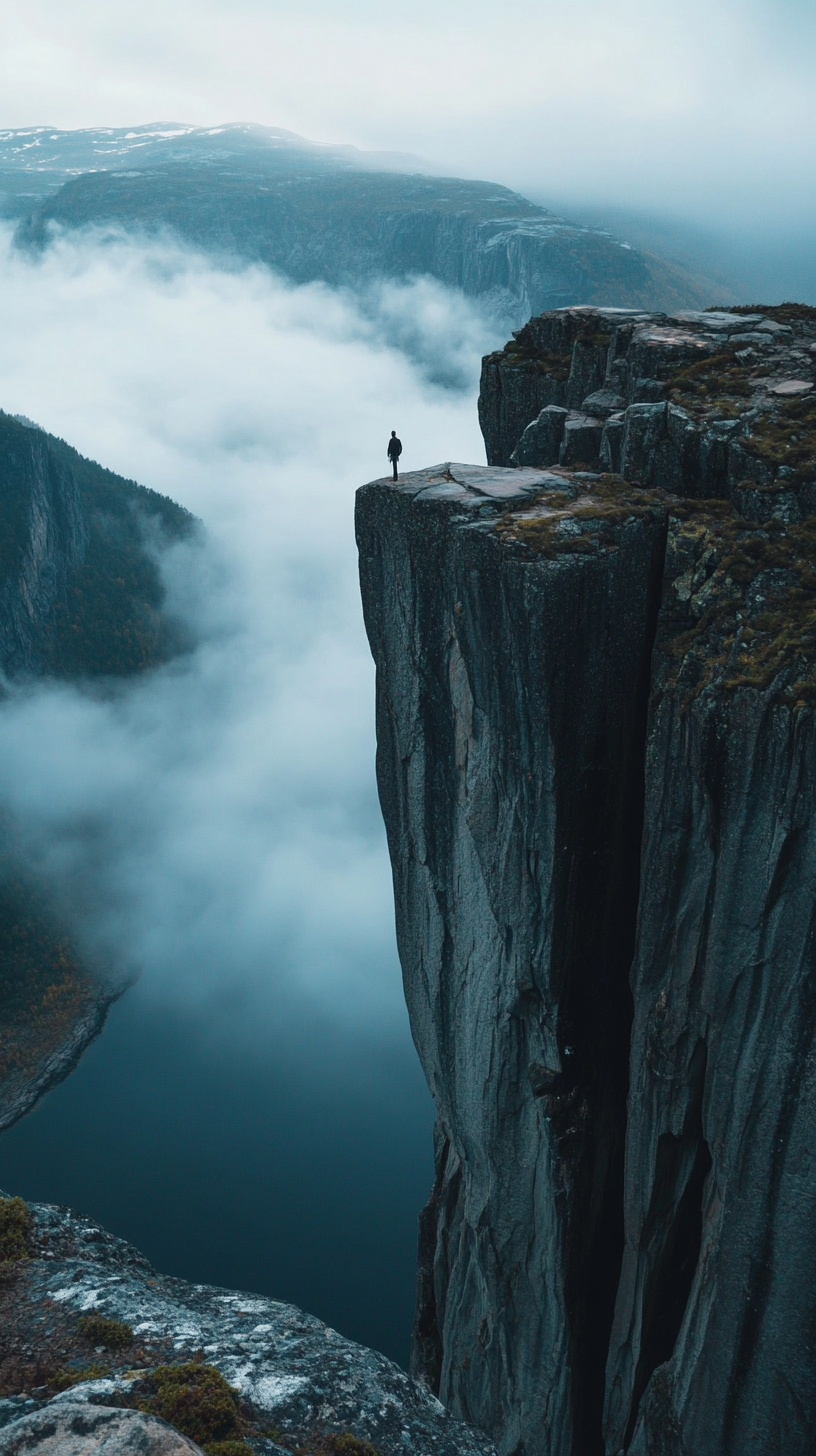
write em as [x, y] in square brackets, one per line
[328, 214]
[81, 600]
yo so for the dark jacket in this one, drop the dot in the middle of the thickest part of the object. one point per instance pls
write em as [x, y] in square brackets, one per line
[394, 448]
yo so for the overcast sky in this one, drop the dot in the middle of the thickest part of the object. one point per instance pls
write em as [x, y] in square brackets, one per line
[705, 107]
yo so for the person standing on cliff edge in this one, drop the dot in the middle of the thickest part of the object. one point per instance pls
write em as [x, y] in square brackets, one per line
[394, 451]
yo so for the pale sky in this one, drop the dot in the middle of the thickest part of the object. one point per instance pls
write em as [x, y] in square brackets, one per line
[705, 107]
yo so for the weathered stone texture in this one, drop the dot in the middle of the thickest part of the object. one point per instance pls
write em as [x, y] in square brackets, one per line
[511, 616]
[510, 710]
[700, 404]
[298, 1380]
[75, 1428]
[717, 1301]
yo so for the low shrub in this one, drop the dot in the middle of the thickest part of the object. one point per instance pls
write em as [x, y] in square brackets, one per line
[15, 1230]
[197, 1400]
[73, 1375]
[113, 1334]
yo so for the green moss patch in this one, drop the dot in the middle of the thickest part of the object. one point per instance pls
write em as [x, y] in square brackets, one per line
[15, 1230]
[557, 366]
[113, 1334]
[347, 1444]
[76, 1374]
[596, 340]
[197, 1400]
[227, 1448]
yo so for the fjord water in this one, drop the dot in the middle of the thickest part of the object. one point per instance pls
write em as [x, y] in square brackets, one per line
[254, 1114]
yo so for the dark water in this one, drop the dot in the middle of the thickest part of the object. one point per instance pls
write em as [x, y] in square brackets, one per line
[294, 1165]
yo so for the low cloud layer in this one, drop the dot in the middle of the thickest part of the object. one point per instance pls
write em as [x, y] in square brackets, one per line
[213, 827]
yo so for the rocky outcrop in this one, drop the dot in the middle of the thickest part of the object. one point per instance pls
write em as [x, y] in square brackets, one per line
[81, 597]
[298, 1382]
[692, 402]
[610, 993]
[43, 1040]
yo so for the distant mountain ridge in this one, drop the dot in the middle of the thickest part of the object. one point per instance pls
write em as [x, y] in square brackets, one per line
[36, 161]
[332, 214]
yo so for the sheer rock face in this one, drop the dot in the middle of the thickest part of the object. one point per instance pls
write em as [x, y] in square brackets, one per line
[511, 714]
[553, 932]
[340, 225]
[717, 1297]
[298, 1379]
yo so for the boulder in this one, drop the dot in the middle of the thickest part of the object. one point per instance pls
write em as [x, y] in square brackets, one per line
[76, 1428]
[541, 442]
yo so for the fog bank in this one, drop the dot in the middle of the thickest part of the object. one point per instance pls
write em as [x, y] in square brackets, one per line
[214, 827]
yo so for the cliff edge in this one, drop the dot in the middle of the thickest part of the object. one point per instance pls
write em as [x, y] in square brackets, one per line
[92, 1332]
[595, 697]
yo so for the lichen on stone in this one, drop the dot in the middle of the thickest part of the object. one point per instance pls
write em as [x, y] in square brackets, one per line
[561, 523]
[717, 385]
[741, 602]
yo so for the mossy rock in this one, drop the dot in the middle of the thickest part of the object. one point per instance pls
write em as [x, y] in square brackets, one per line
[780, 313]
[15, 1230]
[347, 1444]
[604, 504]
[732, 644]
[788, 437]
[114, 1334]
[72, 1375]
[713, 383]
[196, 1399]
[227, 1448]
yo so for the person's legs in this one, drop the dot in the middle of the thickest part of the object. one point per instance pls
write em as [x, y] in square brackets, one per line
[394, 463]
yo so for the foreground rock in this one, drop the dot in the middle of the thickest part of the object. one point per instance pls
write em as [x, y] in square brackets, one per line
[76, 1428]
[298, 1380]
[601, 1271]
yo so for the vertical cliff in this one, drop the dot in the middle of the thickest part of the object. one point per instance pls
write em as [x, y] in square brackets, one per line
[596, 762]
[712, 1349]
[511, 717]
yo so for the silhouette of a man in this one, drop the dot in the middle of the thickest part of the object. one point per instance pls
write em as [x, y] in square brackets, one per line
[394, 451]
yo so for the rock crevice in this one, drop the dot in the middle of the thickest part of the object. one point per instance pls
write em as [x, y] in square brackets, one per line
[596, 764]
